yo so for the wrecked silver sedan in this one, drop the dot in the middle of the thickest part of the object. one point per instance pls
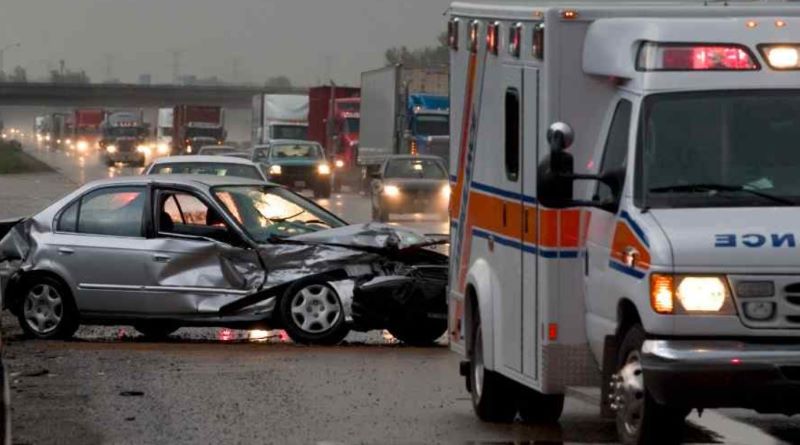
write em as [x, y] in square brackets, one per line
[164, 252]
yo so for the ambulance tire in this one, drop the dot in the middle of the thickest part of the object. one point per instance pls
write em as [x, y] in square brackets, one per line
[538, 408]
[650, 422]
[493, 395]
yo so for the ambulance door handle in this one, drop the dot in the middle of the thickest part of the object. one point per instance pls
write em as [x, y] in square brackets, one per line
[586, 262]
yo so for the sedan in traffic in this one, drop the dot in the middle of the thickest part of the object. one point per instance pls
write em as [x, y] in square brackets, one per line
[162, 252]
[410, 184]
[206, 165]
[298, 165]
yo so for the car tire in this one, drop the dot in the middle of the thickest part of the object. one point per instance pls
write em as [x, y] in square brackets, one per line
[156, 330]
[537, 408]
[645, 421]
[493, 395]
[312, 313]
[47, 309]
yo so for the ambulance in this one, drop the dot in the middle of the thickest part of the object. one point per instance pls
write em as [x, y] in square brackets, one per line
[624, 211]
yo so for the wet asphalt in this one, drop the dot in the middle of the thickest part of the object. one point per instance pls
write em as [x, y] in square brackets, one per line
[110, 386]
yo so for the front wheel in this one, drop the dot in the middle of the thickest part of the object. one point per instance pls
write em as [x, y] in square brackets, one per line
[47, 309]
[313, 314]
[493, 397]
[640, 419]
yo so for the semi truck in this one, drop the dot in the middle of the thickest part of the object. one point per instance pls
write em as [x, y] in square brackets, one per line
[195, 126]
[623, 208]
[333, 121]
[163, 136]
[403, 111]
[279, 116]
[87, 122]
[124, 137]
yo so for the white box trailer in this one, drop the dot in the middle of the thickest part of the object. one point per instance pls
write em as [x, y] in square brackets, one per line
[279, 116]
[624, 204]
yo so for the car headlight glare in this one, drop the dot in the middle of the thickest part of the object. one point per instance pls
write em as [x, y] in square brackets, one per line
[83, 145]
[324, 169]
[111, 149]
[391, 191]
[696, 294]
[339, 163]
[446, 191]
[143, 149]
[163, 149]
[275, 170]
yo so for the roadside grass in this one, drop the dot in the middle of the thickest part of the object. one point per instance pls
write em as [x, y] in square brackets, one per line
[14, 160]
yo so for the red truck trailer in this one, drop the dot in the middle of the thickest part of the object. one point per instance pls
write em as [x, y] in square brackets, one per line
[86, 127]
[195, 126]
[333, 121]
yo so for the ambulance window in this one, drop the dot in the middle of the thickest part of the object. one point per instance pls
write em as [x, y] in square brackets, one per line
[512, 134]
[615, 155]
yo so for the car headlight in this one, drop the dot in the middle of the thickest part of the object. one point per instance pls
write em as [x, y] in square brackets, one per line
[339, 163]
[163, 149]
[111, 149]
[188, 149]
[694, 293]
[391, 191]
[275, 170]
[143, 149]
[324, 169]
[83, 145]
[446, 191]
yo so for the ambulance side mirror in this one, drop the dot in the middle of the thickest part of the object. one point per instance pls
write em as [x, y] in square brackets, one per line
[556, 172]
[560, 136]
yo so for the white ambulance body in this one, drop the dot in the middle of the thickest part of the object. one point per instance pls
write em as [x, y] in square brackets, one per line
[658, 254]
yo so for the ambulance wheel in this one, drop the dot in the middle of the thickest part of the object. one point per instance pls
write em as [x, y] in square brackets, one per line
[640, 419]
[493, 396]
[535, 407]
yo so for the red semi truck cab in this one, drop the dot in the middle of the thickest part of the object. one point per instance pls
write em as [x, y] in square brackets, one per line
[333, 121]
[195, 126]
[86, 128]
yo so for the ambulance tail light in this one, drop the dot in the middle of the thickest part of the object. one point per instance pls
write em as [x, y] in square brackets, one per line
[474, 32]
[781, 57]
[537, 46]
[695, 57]
[515, 41]
[452, 33]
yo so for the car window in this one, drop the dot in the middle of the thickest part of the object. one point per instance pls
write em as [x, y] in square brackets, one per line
[184, 214]
[113, 211]
[207, 168]
[68, 222]
[414, 169]
[260, 154]
[615, 155]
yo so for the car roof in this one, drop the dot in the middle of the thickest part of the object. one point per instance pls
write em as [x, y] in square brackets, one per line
[199, 181]
[412, 157]
[200, 159]
[215, 147]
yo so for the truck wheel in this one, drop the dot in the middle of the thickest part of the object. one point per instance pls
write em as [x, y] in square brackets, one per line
[312, 313]
[493, 396]
[535, 407]
[47, 309]
[640, 419]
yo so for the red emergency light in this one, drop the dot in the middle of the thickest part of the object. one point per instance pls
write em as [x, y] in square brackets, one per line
[493, 38]
[452, 33]
[474, 31]
[515, 41]
[695, 57]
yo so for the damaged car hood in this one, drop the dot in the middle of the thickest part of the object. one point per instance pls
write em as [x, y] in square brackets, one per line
[369, 235]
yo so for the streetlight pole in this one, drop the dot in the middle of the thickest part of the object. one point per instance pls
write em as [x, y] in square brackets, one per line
[3, 53]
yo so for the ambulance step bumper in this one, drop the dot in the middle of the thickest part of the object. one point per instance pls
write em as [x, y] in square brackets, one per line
[723, 373]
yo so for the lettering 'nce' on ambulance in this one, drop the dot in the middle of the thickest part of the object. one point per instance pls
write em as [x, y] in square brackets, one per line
[624, 208]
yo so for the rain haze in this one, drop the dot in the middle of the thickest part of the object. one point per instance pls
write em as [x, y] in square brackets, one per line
[240, 40]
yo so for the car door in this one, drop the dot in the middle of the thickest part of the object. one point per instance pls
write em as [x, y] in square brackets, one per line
[100, 247]
[605, 222]
[199, 262]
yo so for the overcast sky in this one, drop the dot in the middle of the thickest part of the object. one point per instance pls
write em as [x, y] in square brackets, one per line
[297, 38]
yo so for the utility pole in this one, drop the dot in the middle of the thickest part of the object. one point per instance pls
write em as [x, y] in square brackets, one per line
[109, 67]
[176, 64]
[3, 53]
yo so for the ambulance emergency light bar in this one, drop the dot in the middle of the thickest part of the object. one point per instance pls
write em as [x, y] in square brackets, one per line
[655, 56]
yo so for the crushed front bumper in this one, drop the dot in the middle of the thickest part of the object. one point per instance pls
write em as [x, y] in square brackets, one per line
[724, 373]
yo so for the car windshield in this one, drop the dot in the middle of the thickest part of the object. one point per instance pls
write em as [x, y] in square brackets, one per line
[207, 168]
[414, 169]
[266, 212]
[299, 132]
[216, 150]
[211, 133]
[352, 125]
[296, 151]
[731, 149]
[260, 154]
[433, 125]
[124, 131]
